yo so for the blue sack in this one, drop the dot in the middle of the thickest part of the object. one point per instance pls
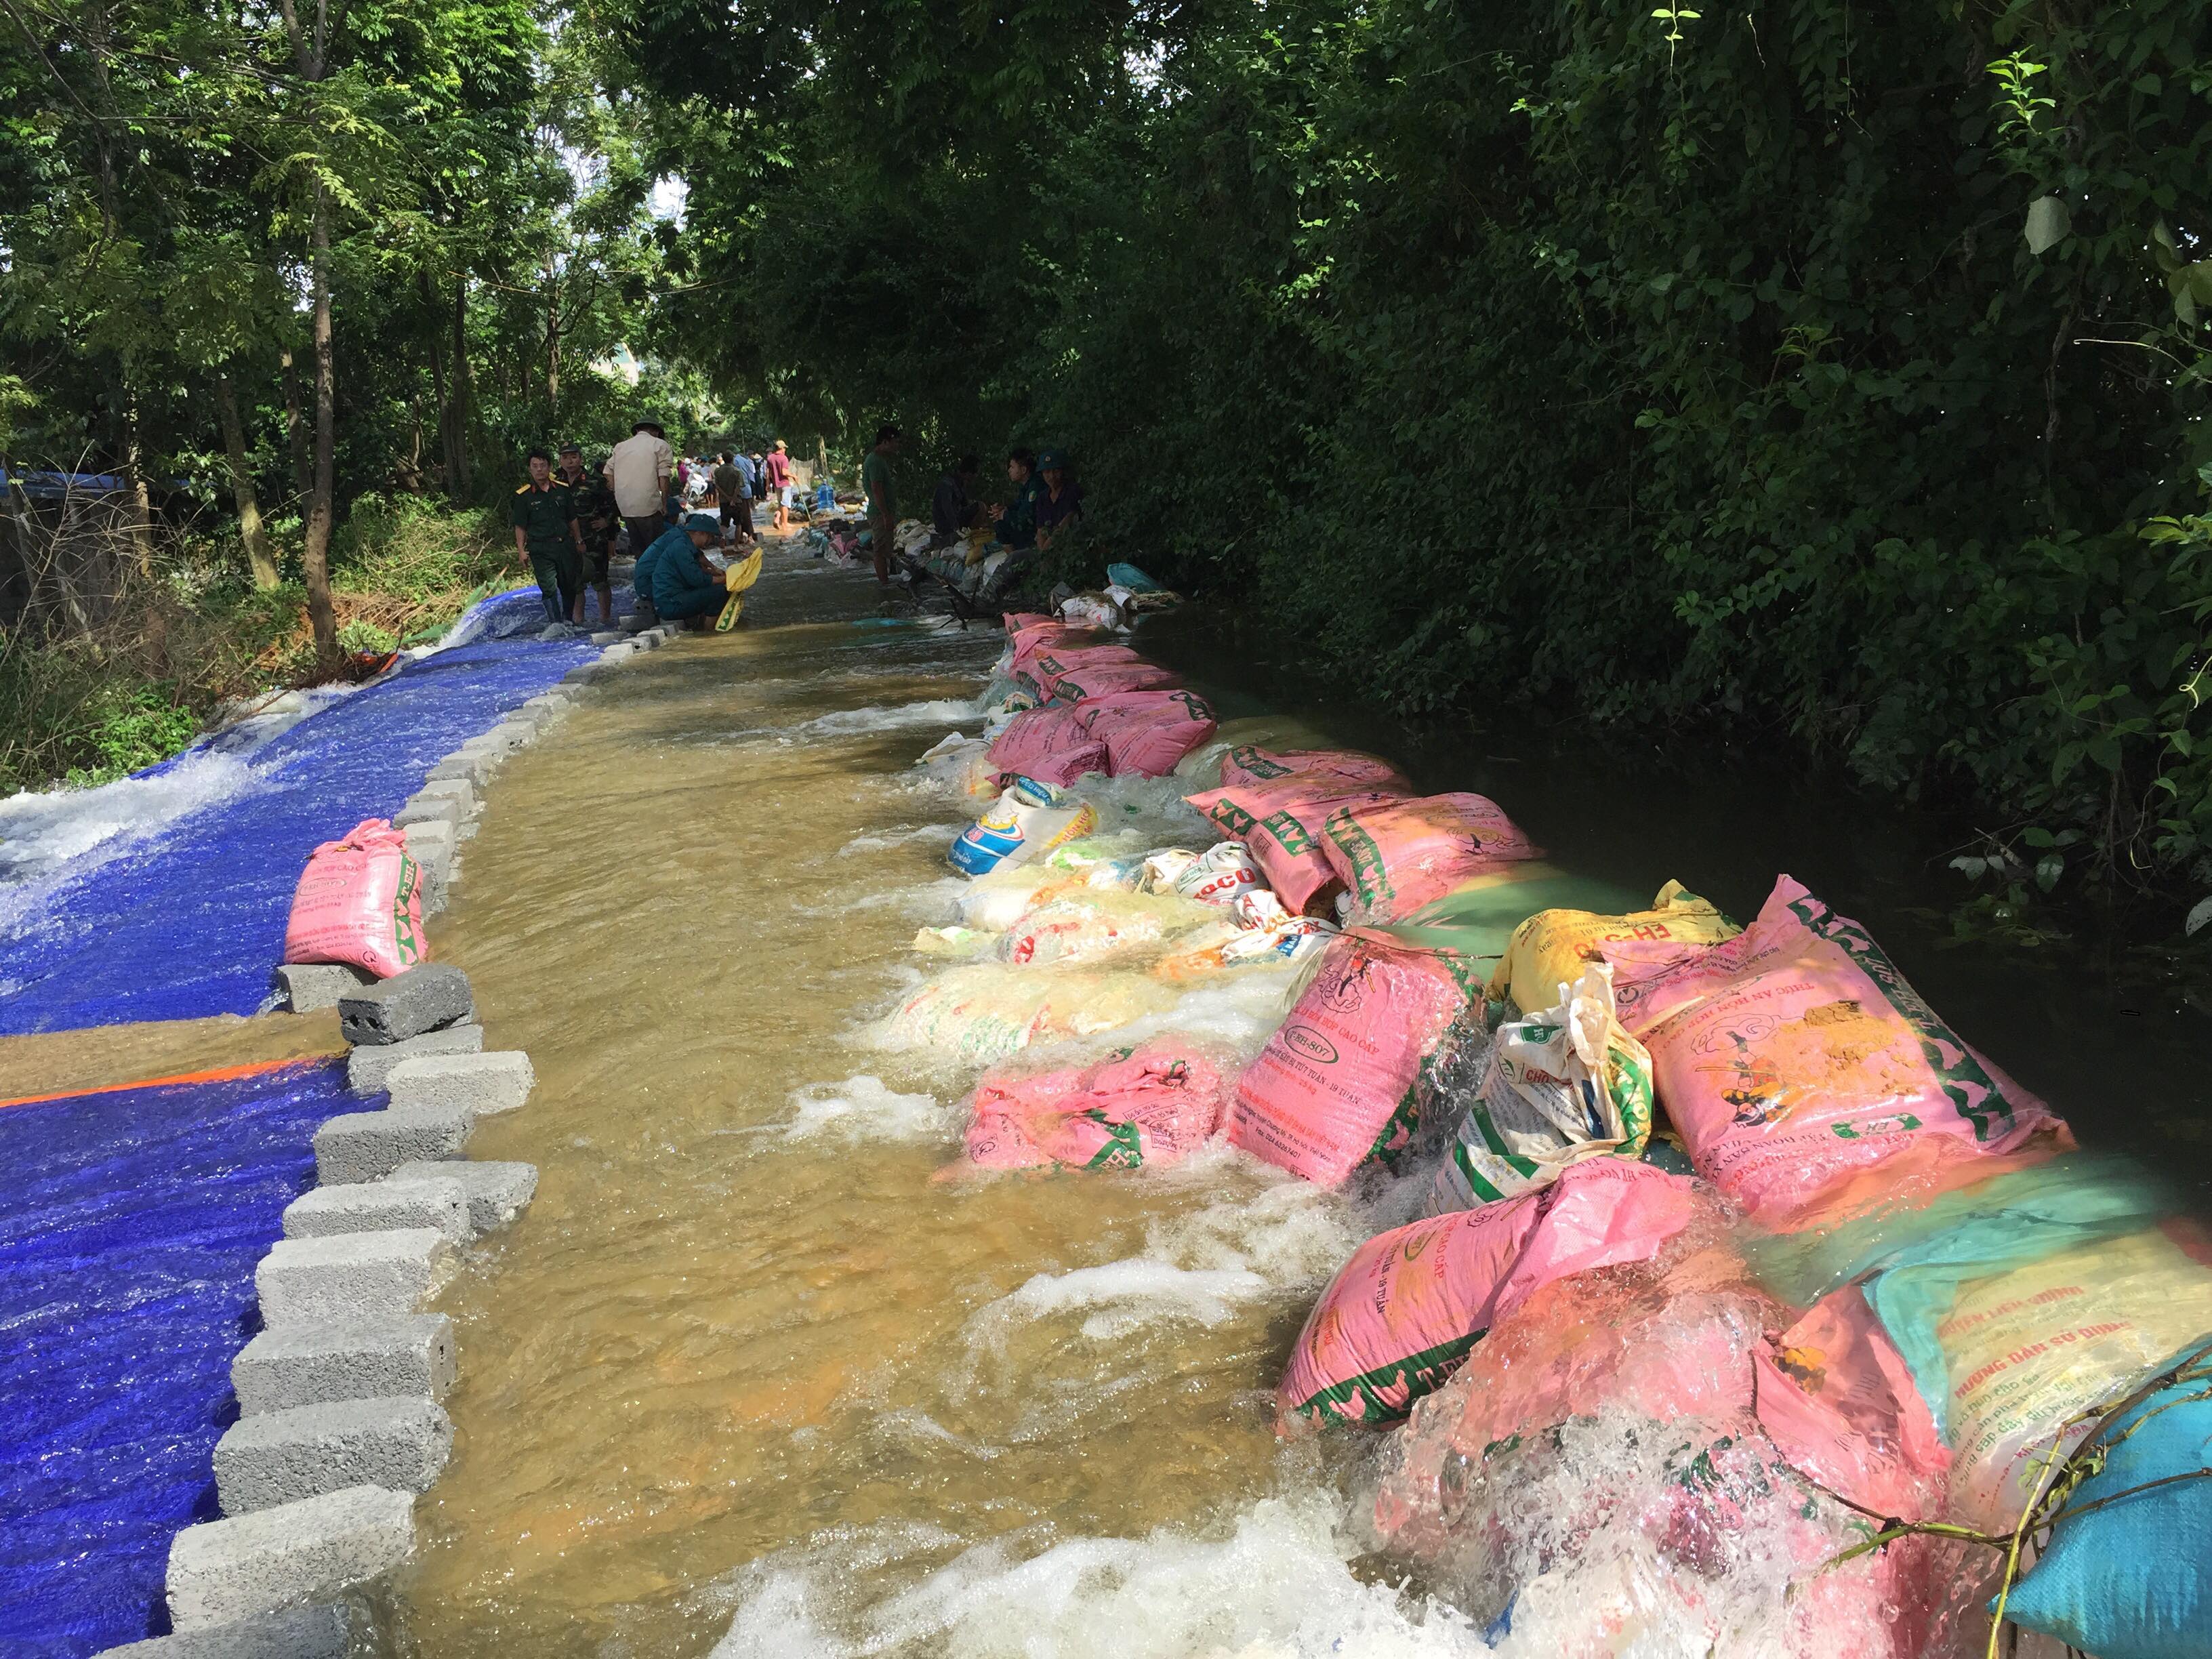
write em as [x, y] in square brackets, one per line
[2134, 1580]
[1128, 576]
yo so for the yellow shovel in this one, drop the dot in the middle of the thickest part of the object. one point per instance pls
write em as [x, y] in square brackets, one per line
[735, 581]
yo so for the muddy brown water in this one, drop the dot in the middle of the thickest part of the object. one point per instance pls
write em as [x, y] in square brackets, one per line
[745, 1378]
[733, 1321]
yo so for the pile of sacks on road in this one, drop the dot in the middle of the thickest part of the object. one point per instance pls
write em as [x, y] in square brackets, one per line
[1742, 1287]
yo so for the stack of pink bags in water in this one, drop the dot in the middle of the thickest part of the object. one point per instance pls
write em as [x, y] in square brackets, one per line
[1100, 709]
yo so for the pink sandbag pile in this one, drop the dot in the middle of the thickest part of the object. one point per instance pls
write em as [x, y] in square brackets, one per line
[1794, 1058]
[1404, 1312]
[1276, 804]
[1337, 1085]
[1692, 1515]
[1143, 733]
[359, 901]
[1153, 1105]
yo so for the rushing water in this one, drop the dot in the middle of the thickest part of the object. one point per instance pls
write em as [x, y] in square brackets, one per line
[746, 1379]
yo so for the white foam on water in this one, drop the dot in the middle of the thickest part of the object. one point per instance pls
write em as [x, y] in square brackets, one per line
[885, 717]
[862, 1109]
[1125, 1294]
[884, 840]
[1275, 1585]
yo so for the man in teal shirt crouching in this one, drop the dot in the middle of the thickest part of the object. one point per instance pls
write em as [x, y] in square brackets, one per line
[675, 572]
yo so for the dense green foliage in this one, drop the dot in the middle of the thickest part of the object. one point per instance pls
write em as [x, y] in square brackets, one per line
[1659, 365]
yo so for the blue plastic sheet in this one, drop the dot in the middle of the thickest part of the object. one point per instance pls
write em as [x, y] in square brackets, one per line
[129, 1225]
[191, 924]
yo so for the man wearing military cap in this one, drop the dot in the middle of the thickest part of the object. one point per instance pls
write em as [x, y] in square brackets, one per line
[548, 538]
[595, 517]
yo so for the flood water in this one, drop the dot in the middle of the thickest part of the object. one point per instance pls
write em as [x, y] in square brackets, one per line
[746, 1380]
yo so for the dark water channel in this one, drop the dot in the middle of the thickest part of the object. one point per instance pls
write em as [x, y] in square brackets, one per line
[2110, 1031]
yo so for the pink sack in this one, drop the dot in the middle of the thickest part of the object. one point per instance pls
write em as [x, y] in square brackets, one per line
[1349, 769]
[1146, 734]
[1796, 1057]
[1837, 1397]
[1049, 744]
[1336, 1084]
[1403, 1313]
[1155, 1105]
[360, 902]
[1062, 658]
[1104, 679]
[1279, 820]
[1036, 640]
[1397, 855]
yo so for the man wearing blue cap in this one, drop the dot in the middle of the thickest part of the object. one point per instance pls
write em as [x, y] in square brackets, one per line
[674, 572]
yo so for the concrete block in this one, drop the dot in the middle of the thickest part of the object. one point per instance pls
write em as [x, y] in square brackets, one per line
[608, 636]
[497, 1082]
[502, 739]
[368, 1067]
[474, 769]
[318, 1632]
[375, 1207]
[356, 1146]
[460, 788]
[553, 703]
[307, 1281]
[351, 1358]
[427, 997]
[429, 809]
[294, 1555]
[582, 674]
[497, 1191]
[304, 987]
[399, 1443]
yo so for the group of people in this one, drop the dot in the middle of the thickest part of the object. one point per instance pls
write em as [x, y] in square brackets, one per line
[567, 520]
[1046, 502]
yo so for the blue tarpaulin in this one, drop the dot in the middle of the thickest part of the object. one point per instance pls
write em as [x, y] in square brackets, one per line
[130, 1223]
[191, 924]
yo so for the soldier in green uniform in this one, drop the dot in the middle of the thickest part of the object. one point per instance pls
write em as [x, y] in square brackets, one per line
[595, 517]
[548, 538]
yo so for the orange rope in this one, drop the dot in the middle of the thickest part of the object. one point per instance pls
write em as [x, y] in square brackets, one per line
[221, 1074]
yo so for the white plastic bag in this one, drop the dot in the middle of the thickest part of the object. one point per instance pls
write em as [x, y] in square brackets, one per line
[1559, 1086]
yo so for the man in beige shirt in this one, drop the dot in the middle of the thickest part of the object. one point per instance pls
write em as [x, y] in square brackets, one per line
[637, 470]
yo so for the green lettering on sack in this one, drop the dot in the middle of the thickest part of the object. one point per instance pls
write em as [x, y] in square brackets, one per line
[1122, 1150]
[1419, 1374]
[1288, 832]
[1254, 761]
[1232, 817]
[404, 937]
[1368, 874]
[1973, 1094]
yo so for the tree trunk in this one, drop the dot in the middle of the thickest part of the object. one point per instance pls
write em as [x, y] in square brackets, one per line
[454, 427]
[553, 344]
[134, 474]
[295, 434]
[317, 553]
[258, 557]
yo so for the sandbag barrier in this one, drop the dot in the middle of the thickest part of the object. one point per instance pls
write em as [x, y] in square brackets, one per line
[1739, 1184]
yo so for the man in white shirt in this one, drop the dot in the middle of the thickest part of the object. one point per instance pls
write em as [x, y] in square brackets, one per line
[637, 470]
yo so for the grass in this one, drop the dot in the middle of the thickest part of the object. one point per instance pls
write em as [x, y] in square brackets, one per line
[141, 685]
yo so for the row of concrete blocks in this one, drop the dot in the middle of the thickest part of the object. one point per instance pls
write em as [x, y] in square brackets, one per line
[341, 1420]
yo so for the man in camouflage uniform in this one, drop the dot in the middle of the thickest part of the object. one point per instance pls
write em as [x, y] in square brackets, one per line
[548, 538]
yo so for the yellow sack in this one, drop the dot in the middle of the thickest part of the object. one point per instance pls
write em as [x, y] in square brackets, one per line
[2033, 1352]
[1552, 947]
[735, 581]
